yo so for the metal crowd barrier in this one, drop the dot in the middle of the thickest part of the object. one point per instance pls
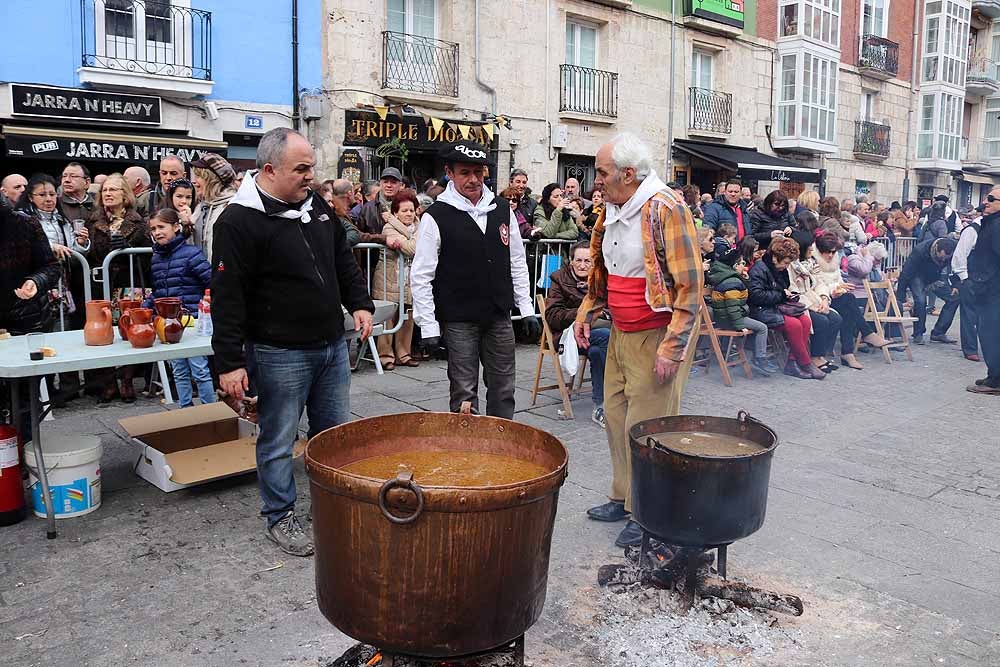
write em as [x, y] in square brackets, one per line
[374, 254]
[899, 250]
[85, 265]
[544, 256]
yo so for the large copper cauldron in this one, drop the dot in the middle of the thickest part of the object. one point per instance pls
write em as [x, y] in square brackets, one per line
[432, 571]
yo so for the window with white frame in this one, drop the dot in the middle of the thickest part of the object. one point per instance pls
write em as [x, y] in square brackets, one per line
[875, 18]
[867, 111]
[946, 40]
[412, 17]
[991, 133]
[940, 132]
[786, 97]
[815, 19]
[581, 44]
[157, 32]
[702, 69]
[807, 97]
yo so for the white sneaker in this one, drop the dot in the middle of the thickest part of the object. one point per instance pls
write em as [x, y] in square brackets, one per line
[597, 416]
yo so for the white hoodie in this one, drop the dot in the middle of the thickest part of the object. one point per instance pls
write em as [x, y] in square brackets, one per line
[425, 261]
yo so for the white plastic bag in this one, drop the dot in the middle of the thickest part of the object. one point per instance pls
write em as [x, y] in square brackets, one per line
[569, 355]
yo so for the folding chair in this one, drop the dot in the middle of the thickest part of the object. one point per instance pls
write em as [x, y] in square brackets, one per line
[778, 345]
[548, 347]
[891, 315]
[726, 361]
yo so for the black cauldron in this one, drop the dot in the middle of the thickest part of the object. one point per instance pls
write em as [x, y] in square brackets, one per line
[700, 501]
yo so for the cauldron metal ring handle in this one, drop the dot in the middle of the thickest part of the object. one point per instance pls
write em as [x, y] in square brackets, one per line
[402, 480]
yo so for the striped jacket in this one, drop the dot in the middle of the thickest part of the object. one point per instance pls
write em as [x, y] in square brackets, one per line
[729, 295]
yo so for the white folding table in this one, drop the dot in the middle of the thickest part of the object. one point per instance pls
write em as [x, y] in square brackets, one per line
[72, 354]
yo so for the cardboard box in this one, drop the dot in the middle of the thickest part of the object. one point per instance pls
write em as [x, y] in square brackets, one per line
[182, 448]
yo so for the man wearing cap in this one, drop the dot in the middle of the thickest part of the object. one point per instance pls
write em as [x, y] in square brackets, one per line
[468, 273]
[213, 182]
[374, 214]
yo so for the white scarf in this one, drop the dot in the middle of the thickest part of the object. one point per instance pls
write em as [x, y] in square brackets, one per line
[647, 188]
[249, 196]
[477, 211]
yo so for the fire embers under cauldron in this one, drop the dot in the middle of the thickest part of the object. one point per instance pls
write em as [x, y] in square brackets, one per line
[689, 572]
[362, 655]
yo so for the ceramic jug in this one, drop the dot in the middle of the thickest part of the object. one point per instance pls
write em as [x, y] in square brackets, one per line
[98, 330]
[169, 328]
[125, 305]
[140, 331]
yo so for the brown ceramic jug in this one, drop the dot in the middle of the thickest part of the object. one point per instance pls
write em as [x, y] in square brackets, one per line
[125, 305]
[140, 331]
[169, 328]
[98, 330]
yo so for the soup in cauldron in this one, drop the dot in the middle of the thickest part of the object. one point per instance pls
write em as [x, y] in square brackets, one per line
[449, 468]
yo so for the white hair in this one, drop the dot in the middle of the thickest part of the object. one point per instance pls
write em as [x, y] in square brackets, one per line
[627, 150]
[140, 173]
[877, 250]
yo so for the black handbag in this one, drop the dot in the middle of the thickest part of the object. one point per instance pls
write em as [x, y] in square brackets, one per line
[791, 308]
[32, 315]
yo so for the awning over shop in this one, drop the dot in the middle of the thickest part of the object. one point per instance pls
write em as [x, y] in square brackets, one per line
[749, 163]
[69, 144]
[977, 178]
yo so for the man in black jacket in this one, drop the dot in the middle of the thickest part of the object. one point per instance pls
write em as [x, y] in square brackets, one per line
[282, 269]
[921, 273]
[984, 286]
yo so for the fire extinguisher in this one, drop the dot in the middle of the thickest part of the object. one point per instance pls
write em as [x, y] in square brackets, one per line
[12, 508]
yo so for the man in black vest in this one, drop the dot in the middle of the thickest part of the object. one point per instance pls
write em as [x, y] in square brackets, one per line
[468, 273]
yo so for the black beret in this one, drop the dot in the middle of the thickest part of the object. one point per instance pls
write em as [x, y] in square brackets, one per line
[469, 152]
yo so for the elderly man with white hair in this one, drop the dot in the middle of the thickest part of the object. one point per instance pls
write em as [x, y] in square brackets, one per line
[139, 180]
[648, 274]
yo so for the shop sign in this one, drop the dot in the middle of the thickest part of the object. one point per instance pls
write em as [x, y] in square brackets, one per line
[729, 12]
[364, 128]
[350, 165]
[79, 104]
[106, 151]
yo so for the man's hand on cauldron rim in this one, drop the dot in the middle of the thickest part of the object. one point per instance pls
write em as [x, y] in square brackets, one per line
[581, 331]
[666, 369]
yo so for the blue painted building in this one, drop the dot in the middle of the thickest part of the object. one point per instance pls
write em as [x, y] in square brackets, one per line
[117, 82]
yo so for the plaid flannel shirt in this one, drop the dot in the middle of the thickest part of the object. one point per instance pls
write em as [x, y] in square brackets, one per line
[673, 263]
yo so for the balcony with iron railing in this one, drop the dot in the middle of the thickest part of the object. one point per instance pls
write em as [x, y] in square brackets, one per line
[709, 111]
[871, 140]
[591, 92]
[981, 78]
[879, 57]
[150, 44]
[419, 64]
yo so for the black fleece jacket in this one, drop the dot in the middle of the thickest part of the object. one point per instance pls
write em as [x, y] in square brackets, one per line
[281, 282]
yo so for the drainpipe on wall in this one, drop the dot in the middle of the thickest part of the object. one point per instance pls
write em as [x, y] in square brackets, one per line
[493, 96]
[669, 176]
[295, 64]
[914, 95]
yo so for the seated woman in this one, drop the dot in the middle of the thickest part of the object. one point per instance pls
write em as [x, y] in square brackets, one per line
[815, 293]
[569, 286]
[776, 305]
[859, 267]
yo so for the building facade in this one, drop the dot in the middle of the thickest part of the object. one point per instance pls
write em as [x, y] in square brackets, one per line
[888, 98]
[111, 83]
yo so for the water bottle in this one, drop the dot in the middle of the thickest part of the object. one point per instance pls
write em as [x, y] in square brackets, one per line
[204, 327]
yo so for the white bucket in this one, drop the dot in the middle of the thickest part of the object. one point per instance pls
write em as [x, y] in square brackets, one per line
[74, 466]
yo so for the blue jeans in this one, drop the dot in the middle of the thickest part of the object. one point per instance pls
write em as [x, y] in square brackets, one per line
[597, 354]
[184, 370]
[318, 379]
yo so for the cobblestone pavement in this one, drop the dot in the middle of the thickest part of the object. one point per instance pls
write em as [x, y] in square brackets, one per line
[884, 516]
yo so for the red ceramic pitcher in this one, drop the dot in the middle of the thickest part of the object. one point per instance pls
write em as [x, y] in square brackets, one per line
[140, 332]
[98, 330]
[169, 328]
[125, 305]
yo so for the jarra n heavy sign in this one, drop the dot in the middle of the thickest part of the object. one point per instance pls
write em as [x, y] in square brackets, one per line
[104, 151]
[78, 104]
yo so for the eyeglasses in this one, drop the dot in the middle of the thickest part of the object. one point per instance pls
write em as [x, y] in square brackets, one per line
[991, 198]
